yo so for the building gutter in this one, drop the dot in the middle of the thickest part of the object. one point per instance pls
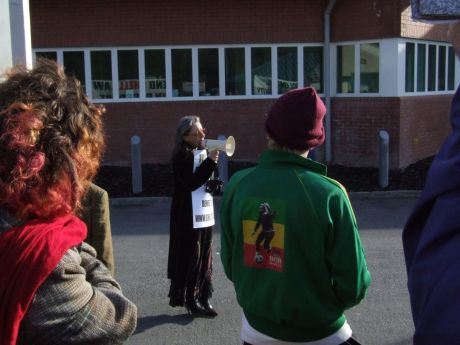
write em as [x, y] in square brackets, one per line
[327, 78]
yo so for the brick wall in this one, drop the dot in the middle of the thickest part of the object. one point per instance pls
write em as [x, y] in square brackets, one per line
[417, 126]
[155, 123]
[356, 123]
[362, 19]
[174, 22]
[142, 22]
[424, 126]
[421, 30]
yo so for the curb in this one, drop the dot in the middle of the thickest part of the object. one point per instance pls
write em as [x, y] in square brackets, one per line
[165, 200]
[140, 201]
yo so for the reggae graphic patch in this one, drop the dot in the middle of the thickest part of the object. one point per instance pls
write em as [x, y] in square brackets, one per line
[264, 236]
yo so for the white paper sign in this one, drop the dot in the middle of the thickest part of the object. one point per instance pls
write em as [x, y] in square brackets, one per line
[202, 204]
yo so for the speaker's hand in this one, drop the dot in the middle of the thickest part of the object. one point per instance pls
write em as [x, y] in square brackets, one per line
[214, 155]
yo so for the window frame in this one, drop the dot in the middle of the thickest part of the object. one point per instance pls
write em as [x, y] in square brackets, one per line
[195, 72]
[448, 74]
[357, 69]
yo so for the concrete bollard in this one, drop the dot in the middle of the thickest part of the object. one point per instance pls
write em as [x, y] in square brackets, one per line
[136, 164]
[384, 159]
[223, 163]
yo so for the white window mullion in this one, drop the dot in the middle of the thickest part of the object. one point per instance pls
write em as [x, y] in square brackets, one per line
[88, 77]
[248, 70]
[195, 73]
[427, 65]
[300, 76]
[357, 48]
[446, 71]
[221, 71]
[60, 57]
[115, 88]
[436, 63]
[274, 70]
[456, 71]
[141, 59]
[168, 72]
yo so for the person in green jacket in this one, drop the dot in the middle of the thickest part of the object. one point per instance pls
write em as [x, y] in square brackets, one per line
[289, 238]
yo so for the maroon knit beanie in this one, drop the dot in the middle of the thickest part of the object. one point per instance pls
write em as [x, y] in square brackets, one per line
[295, 120]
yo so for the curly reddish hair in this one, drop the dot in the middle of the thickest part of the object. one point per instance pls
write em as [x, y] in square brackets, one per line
[51, 141]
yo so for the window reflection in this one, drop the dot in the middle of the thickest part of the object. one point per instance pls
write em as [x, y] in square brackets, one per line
[451, 69]
[182, 82]
[155, 73]
[421, 67]
[345, 69]
[47, 55]
[287, 69]
[369, 68]
[128, 74]
[431, 67]
[442, 68]
[74, 65]
[101, 74]
[313, 67]
[261, 71]
[208, 66]
[235, 81]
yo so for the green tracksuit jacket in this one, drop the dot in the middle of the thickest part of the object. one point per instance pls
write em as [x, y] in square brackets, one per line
[290, 244]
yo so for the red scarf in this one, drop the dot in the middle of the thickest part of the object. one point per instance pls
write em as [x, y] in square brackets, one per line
[28, 254]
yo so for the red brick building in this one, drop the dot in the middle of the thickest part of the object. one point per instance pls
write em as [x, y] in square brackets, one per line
[227, 61]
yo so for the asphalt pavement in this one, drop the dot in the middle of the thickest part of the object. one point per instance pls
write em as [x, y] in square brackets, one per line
[140, 229]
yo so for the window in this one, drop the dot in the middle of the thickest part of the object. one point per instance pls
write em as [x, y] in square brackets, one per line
[208, 66]
[345, 69]
[235, 81]
[410, 63]
[101, 74]
[421, 67]
[74, 65]
[166, 73]
[442, 68]
[128, 73]
[369, 68]
[287, 69]
[429, 67]
[313, 67]
[451, 69]
[261, 71]
[155, 73]
[182, 83]
[47, 55]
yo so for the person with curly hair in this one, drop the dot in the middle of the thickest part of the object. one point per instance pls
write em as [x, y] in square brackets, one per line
[53, 290]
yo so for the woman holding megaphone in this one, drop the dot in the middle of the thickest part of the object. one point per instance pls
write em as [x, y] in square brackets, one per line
[192, 220]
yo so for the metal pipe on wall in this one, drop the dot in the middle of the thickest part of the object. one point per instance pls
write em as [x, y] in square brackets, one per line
[327, 77]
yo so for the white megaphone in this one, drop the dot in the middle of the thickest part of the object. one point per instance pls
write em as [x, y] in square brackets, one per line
[228, 145]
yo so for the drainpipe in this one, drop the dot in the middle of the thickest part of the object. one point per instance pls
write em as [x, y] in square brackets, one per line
[327, 77]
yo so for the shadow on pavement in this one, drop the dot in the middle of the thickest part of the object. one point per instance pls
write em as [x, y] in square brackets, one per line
[147, 322]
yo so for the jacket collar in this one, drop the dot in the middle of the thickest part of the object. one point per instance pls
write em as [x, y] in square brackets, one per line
[276, 157]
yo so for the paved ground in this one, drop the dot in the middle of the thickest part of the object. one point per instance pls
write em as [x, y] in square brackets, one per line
[141, 246]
